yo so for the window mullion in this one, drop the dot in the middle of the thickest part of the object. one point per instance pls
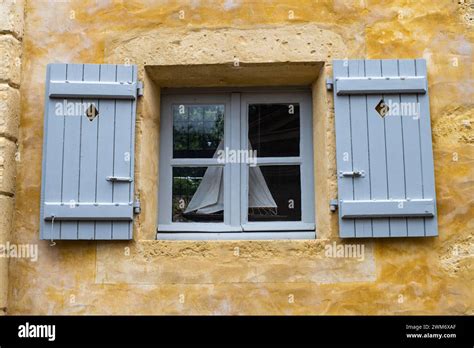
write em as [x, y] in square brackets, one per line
[233, 186]
[243, 167]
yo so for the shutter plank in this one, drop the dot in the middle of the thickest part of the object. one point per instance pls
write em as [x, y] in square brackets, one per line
[53, 153]
[395, 158]
[123, 151]
[88, 159]
[344, 147]
[412, 149]
[431, 226]
[378, 160]
[360, 150]
[105, 151]
[70, 179]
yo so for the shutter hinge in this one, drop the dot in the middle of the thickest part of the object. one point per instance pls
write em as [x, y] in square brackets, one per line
[333, 205]
[329, 84]
[137, 209]
[139, 88]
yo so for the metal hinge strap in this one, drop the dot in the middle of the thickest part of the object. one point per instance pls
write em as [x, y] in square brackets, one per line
[139, 88]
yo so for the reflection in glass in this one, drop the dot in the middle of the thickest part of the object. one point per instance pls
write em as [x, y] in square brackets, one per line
[198, 194]
[274, 193]
[274, 129]
[197, 130]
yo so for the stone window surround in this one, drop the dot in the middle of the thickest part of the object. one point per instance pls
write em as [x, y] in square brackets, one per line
[231, 74]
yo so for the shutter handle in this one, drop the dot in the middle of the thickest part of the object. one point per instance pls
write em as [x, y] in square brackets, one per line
[119, 178]
[353, 174]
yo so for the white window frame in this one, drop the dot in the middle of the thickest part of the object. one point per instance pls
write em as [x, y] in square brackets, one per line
[235, 224]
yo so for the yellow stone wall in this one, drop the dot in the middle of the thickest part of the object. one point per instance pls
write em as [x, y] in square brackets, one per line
[144, 276]
[11, 34]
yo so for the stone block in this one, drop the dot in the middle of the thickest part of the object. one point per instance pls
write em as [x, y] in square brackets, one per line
[11, 17]
[10, 64]
[9, 111]
[7, 166]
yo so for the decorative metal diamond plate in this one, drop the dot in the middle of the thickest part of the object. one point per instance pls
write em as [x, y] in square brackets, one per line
[382, 108]
[92, 112]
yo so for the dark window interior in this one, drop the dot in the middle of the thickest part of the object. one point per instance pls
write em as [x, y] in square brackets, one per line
[274, 129]
[283, 182]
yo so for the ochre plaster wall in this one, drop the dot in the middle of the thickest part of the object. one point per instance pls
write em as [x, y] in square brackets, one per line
[399, 276]
[11, 35]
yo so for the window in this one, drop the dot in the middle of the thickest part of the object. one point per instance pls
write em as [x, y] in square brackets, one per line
[236, 162]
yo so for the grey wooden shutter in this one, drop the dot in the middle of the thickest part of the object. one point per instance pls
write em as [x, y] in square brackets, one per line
[88, 152]
[384, 161]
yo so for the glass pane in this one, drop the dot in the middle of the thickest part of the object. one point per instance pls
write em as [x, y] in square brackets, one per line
[197, 130]
[274, 193]
[198, 194]
[274, 129]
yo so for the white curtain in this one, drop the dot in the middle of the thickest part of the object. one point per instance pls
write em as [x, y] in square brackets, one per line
[209, 196]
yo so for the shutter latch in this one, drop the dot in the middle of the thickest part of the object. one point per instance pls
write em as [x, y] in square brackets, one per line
[119, 178]
[353, 174]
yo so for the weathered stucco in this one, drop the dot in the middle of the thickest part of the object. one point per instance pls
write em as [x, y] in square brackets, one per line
[11, 33]
[397, 276]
